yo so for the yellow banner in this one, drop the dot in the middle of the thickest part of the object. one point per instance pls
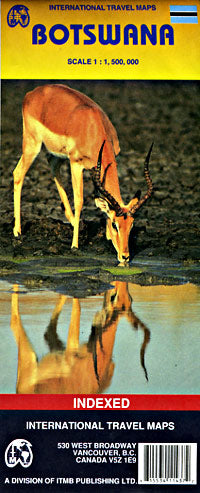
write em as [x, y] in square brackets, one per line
[100, 39]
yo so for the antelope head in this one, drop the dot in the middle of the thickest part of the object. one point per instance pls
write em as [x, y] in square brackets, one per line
[120, 218]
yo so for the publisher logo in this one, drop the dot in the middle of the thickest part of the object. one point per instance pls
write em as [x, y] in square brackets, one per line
[18, 15]
[19, 451]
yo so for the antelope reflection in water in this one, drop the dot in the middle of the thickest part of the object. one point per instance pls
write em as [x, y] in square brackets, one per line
[77, 368]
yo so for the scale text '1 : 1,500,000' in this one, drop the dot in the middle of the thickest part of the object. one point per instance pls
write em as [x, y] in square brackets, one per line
[105, 61]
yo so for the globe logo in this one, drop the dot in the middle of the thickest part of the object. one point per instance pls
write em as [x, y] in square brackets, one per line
[19, 451]
[18, 15]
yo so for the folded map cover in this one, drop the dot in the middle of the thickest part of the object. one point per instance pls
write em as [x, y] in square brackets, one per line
[99, 249]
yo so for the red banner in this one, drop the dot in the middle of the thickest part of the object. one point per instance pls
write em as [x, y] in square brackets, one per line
[100, 402]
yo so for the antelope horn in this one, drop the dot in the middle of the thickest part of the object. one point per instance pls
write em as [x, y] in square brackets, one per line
[99, 186]
[104, 175]
[136, 322]
[149, 184]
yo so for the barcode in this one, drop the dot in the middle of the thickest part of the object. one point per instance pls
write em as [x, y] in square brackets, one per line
[167, 463]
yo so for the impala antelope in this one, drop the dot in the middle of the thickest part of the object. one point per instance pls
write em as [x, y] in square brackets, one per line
[71, 125]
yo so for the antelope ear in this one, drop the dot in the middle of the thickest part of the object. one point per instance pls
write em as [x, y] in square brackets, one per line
[103, 205]
[137, 194]
[132, 202]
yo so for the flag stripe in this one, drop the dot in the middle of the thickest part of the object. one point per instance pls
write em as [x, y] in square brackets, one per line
[183, 8]
[183, 20]
[184, 14]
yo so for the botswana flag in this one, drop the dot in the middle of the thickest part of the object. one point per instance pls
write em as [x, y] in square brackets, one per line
[183, 14]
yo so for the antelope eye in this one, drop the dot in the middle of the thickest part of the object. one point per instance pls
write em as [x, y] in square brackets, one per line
[114, 226]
